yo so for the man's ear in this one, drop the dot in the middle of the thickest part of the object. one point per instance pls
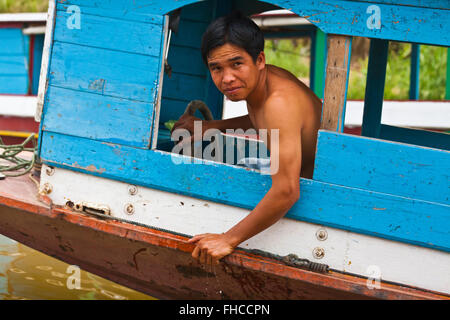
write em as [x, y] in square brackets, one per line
[261, 60]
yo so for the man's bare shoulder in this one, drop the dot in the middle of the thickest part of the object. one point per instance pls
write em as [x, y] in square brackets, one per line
[289, 95]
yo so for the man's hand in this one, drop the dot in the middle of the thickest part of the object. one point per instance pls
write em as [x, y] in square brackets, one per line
[211, 247]
[187, 122]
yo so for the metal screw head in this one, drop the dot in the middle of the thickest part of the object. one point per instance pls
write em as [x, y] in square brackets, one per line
[132, 190]
[129, 209]
[46, 188]
[321, 234]
[318, 253]
[50, 171]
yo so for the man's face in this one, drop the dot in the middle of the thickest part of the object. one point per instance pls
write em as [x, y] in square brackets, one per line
[233, 71]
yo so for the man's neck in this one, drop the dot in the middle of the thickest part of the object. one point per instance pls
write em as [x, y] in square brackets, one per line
[256, 99]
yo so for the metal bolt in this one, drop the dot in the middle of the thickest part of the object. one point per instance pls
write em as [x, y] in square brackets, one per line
[321, 234]
[318, 253]
[132, 190]
[50, 171]
[46, 188]
[129, 209]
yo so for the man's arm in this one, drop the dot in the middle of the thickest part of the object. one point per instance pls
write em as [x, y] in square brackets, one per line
[242, 122]
[284, 192]
[187, 122]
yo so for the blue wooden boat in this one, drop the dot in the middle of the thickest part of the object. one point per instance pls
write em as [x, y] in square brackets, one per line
[373, 222]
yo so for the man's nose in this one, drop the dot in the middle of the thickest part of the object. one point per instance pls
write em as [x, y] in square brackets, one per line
[228, 76]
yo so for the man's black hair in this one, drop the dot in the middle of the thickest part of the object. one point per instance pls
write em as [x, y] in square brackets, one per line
[235, 29]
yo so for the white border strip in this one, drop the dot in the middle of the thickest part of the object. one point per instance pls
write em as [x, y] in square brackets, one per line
[18, 106]
[34, 30]
[418, 114]
[155, 125]
[24, 17]
[45, 59]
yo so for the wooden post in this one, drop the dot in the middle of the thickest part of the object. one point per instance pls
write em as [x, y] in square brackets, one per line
[415, 70]
[336, 82]
[373, 99]
[317, 64]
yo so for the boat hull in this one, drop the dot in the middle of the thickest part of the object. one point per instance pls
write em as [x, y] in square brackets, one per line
[159, 263]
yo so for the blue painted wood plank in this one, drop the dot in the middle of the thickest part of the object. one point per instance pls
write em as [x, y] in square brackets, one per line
[183, 86]
[250, 7]
[392, 217]
[383, 166]
[13, 84]
[95, 31]
[373, 98]
[13, 42]
[14, 61]
[178, 57]
[423, 138]
[200, 11]
[172, 109]
[136, 10]
[101, 71]
[98, 117]
[189, 34]
[401, 23]
[13, 65]
[439, 4]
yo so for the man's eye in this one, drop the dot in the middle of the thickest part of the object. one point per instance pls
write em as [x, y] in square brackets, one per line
[237, 64]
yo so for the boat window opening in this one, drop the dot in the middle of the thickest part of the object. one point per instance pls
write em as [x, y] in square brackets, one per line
[409, 112]
[288, 44]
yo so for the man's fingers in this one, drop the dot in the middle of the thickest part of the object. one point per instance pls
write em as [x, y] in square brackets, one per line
[195, 252]
[197, 237]
[209, 260]
[203, 256]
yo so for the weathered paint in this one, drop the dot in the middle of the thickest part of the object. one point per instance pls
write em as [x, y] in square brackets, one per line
[398, 22]
[322, 203]
[160, 263]
[110, 81]
[383, 166]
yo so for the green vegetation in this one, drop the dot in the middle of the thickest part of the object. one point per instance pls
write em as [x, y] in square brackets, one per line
[294, 56]
[7, 6]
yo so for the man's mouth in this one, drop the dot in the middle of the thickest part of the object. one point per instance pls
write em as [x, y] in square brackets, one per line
[232, 90]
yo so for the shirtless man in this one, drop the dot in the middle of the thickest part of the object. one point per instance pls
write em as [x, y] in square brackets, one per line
[232, 48]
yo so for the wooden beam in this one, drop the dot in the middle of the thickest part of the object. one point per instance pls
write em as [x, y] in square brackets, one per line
[336, 81]
[318, 58]
[415, 71]
[373, 98]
